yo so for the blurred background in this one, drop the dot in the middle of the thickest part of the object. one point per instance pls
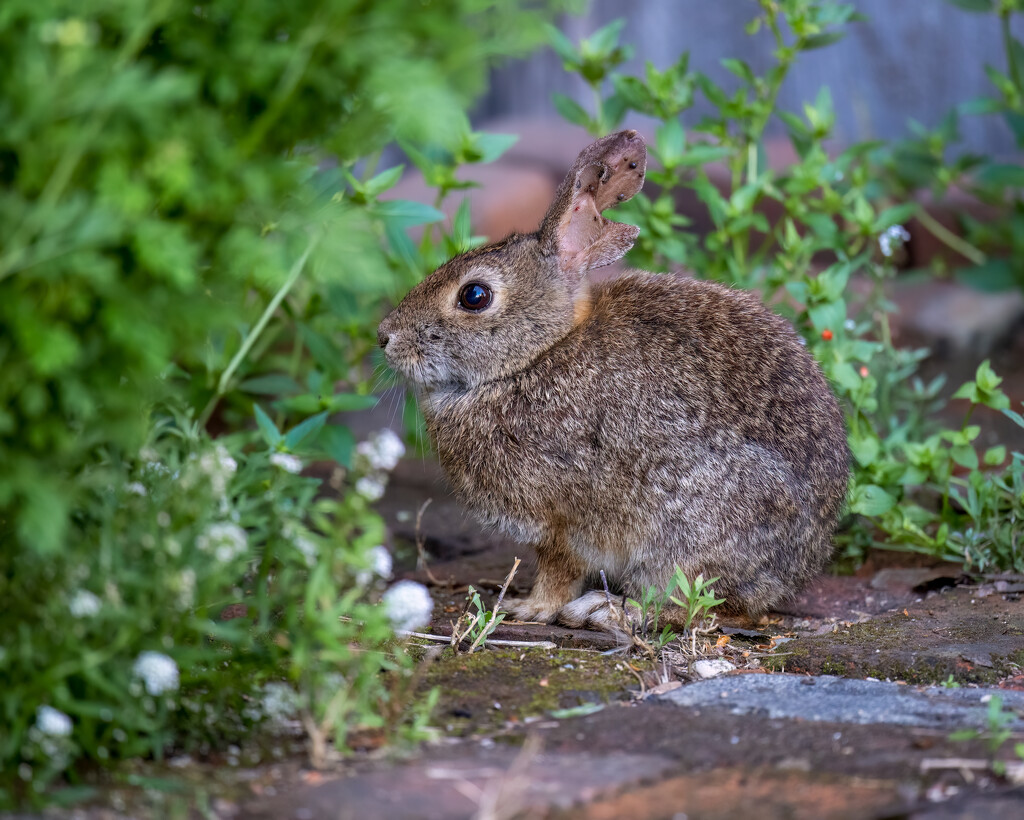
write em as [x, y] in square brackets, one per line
[906, 61]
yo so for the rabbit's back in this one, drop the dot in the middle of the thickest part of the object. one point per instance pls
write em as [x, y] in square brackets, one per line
[679, 423]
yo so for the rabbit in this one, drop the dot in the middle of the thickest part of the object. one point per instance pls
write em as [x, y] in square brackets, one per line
[635, 425]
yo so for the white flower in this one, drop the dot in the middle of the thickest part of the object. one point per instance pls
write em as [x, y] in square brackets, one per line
[371, 487]
[187, 588]
[84, 604]
[409, 605]
[892, 238]
[280, 702]
[157, 671]
[288, 463]
[136, 487]
[307, 547]
[225, 540]
[380, 566]
[382, 450]
[218, 466]
[53, 722]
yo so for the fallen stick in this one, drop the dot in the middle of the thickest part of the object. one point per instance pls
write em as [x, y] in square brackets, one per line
[447, 638]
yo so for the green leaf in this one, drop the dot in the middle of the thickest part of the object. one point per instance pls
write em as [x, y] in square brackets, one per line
[896, 215]
[870, 499]
[994, 276]
[701, 154]
[822, 40]
[994, 456]
[828, 316]
[344, 402]
[562, 45]
[973, 5]
[582, 710]
[405, 213]
[300, 432]
[965, 455]
[865, 449]
[271, 435]
[384, 181]
[571, 110]
[606, 38]
[492, 146]
[272, 384]
[1000, 175]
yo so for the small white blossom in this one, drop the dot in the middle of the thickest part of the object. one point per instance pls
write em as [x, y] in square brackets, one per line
[850, 324]
[218, 465]
[225, 540]
[371, 487]
[287, 462]
[187, 588]
[409, 605]
[280, 703]
[84, 604]
[380, 566]
[308, 548]
[53, 722]
[136, 487]
[892, 239]
[382, 450]
[157, 671]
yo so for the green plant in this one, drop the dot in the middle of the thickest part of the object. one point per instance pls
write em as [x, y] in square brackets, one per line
[695, 601]
[477, 626]
[802, 236]
[995, 735]
[192, 217]
[650, 606]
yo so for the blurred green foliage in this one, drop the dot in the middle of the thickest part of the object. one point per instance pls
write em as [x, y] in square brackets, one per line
[194, 214]
[158, 178]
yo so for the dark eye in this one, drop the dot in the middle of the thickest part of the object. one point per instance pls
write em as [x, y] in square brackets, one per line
[475, 296]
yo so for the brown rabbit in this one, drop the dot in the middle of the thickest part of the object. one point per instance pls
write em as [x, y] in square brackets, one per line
[632, 426]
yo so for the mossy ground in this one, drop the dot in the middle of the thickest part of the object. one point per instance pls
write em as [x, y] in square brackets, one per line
[972, 639]
[490, 688]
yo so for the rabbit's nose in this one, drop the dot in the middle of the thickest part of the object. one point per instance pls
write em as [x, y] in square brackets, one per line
[383, 337]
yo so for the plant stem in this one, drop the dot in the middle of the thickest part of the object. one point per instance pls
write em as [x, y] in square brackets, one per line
[950, 239]
[254, 334]
[1011, 62]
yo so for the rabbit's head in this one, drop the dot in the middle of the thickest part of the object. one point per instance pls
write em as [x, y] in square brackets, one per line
[490, 312]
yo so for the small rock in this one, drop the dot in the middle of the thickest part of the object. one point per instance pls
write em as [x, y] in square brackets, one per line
[712, 668]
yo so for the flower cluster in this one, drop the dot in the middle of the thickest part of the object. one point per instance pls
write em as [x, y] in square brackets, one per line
[380, 566]
[157, 671]
[225, 540]
[53, 722]
[409, 605]
[287, 462]
[84, 604]
[892, 239]
[378, 455]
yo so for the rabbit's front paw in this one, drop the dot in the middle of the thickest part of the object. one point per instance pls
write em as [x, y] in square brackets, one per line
[530, 609]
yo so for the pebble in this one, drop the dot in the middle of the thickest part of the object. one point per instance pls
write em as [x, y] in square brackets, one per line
[712, 668]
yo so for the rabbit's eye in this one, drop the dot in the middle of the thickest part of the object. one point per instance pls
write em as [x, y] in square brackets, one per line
[475, 296]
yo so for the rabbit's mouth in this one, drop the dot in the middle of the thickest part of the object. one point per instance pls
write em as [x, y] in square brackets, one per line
[425, 375]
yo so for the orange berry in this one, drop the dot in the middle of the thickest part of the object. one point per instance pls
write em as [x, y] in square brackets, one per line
[826, 334]
[864, 372]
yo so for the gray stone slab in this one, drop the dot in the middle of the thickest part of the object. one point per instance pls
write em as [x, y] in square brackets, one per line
[840, 700]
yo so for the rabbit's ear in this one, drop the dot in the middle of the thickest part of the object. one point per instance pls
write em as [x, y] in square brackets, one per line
[606, 173]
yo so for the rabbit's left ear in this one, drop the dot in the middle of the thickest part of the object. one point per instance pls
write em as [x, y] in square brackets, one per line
[606, 173]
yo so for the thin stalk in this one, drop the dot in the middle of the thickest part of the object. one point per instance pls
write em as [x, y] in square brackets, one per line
[254, 334]
[1011, 61]
[950, 239]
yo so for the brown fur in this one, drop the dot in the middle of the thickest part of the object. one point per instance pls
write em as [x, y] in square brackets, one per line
[632, 426]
